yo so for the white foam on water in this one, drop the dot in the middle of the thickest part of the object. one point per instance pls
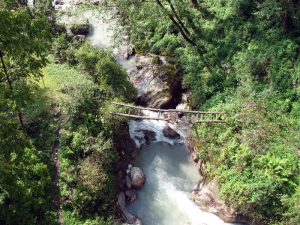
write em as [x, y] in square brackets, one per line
[136, 128]
[171, 176]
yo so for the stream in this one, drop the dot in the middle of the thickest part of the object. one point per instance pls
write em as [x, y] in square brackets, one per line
[171, 175]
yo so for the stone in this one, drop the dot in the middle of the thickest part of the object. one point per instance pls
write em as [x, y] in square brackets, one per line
[128, 51]
[58, 2]
[138, 178]
[80, 27]
[149, 135]
[170, 133]
[131, 195]
[131, 219]
[208, 199]
[157, 84]
[195, 157]
[128, 182]
[79, 38]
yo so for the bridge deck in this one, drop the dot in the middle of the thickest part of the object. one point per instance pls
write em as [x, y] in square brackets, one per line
[169, 115]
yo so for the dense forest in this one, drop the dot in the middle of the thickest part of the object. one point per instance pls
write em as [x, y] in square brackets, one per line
[241, 57]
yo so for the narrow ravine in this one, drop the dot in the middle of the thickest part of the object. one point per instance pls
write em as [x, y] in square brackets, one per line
[170, 174]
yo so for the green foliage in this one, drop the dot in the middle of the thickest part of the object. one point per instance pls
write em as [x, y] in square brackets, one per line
[242, 57]
[105, 71]
[87, 154]
[254, 156]
[25, 181]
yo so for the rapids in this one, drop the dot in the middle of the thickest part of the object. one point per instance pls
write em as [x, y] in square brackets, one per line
[171, 176]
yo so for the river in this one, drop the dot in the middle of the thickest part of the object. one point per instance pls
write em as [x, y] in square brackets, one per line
[171, 176]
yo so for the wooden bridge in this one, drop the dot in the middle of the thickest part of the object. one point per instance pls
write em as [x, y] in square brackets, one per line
[168, 115]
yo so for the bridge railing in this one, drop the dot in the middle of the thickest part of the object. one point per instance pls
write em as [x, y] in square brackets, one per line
[170, 115]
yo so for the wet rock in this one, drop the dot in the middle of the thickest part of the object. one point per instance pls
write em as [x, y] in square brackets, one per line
[170, 133]
[79, 38]
[129, 218]
[195, 157]
[137, 177]
[184, 104]
[128, 182]
[58, 2]
[80, 27]
[208, 199]
[156, 82]
[128, 51]
[131, 195]
[149, 136]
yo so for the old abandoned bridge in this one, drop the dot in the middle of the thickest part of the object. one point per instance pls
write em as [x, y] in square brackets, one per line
[168, 115]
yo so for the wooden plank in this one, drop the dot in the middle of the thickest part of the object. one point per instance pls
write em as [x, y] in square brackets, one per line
[211, 121]
[138, 117]
[165, 110]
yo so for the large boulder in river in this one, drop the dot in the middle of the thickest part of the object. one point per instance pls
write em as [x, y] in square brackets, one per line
[157, 81]
[170, 133]
[137, 177]
[80, 27]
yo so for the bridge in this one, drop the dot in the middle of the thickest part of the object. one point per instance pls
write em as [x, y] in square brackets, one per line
[168, 115]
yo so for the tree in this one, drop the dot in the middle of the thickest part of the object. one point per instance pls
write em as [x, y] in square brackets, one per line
[24, 39]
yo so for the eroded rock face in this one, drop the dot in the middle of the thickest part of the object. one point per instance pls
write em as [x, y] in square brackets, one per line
[208, 199]
[137, 177]
[80, 27]
[131, 219]
[170, 133]
[156, 81]
[131, 195]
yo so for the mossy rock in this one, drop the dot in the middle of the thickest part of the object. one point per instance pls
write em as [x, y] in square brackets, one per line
[80, 28]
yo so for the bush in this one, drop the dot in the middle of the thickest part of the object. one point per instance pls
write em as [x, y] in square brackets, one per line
[253, 157]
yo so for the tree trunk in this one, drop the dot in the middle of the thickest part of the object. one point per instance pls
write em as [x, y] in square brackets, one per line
[9, 82]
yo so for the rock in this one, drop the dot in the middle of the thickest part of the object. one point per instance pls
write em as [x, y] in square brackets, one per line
[79, 38]
[170, 133]
[131, 219]
[149, 136]
[208, 199]
[137, 177]
[58, 2]
[80, 27]
[195, 157]
[128, 182]
[156, 83]
[131, 195]
[128, 51]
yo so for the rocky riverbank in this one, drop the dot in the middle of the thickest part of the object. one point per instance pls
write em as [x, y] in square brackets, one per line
[159, 85]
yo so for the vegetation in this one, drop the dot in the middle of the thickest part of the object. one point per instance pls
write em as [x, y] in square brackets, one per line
[241, 57]
[44, 100]
[87, 153]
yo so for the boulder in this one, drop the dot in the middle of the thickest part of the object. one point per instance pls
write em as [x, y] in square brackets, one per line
[131, 195]
[80, 27]
[131, 219]
[156, 81]
[79, 38]
[128, 182]
[149, 136]
[137, 177]
[208, 199]
[170, 133]
[128, 51]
